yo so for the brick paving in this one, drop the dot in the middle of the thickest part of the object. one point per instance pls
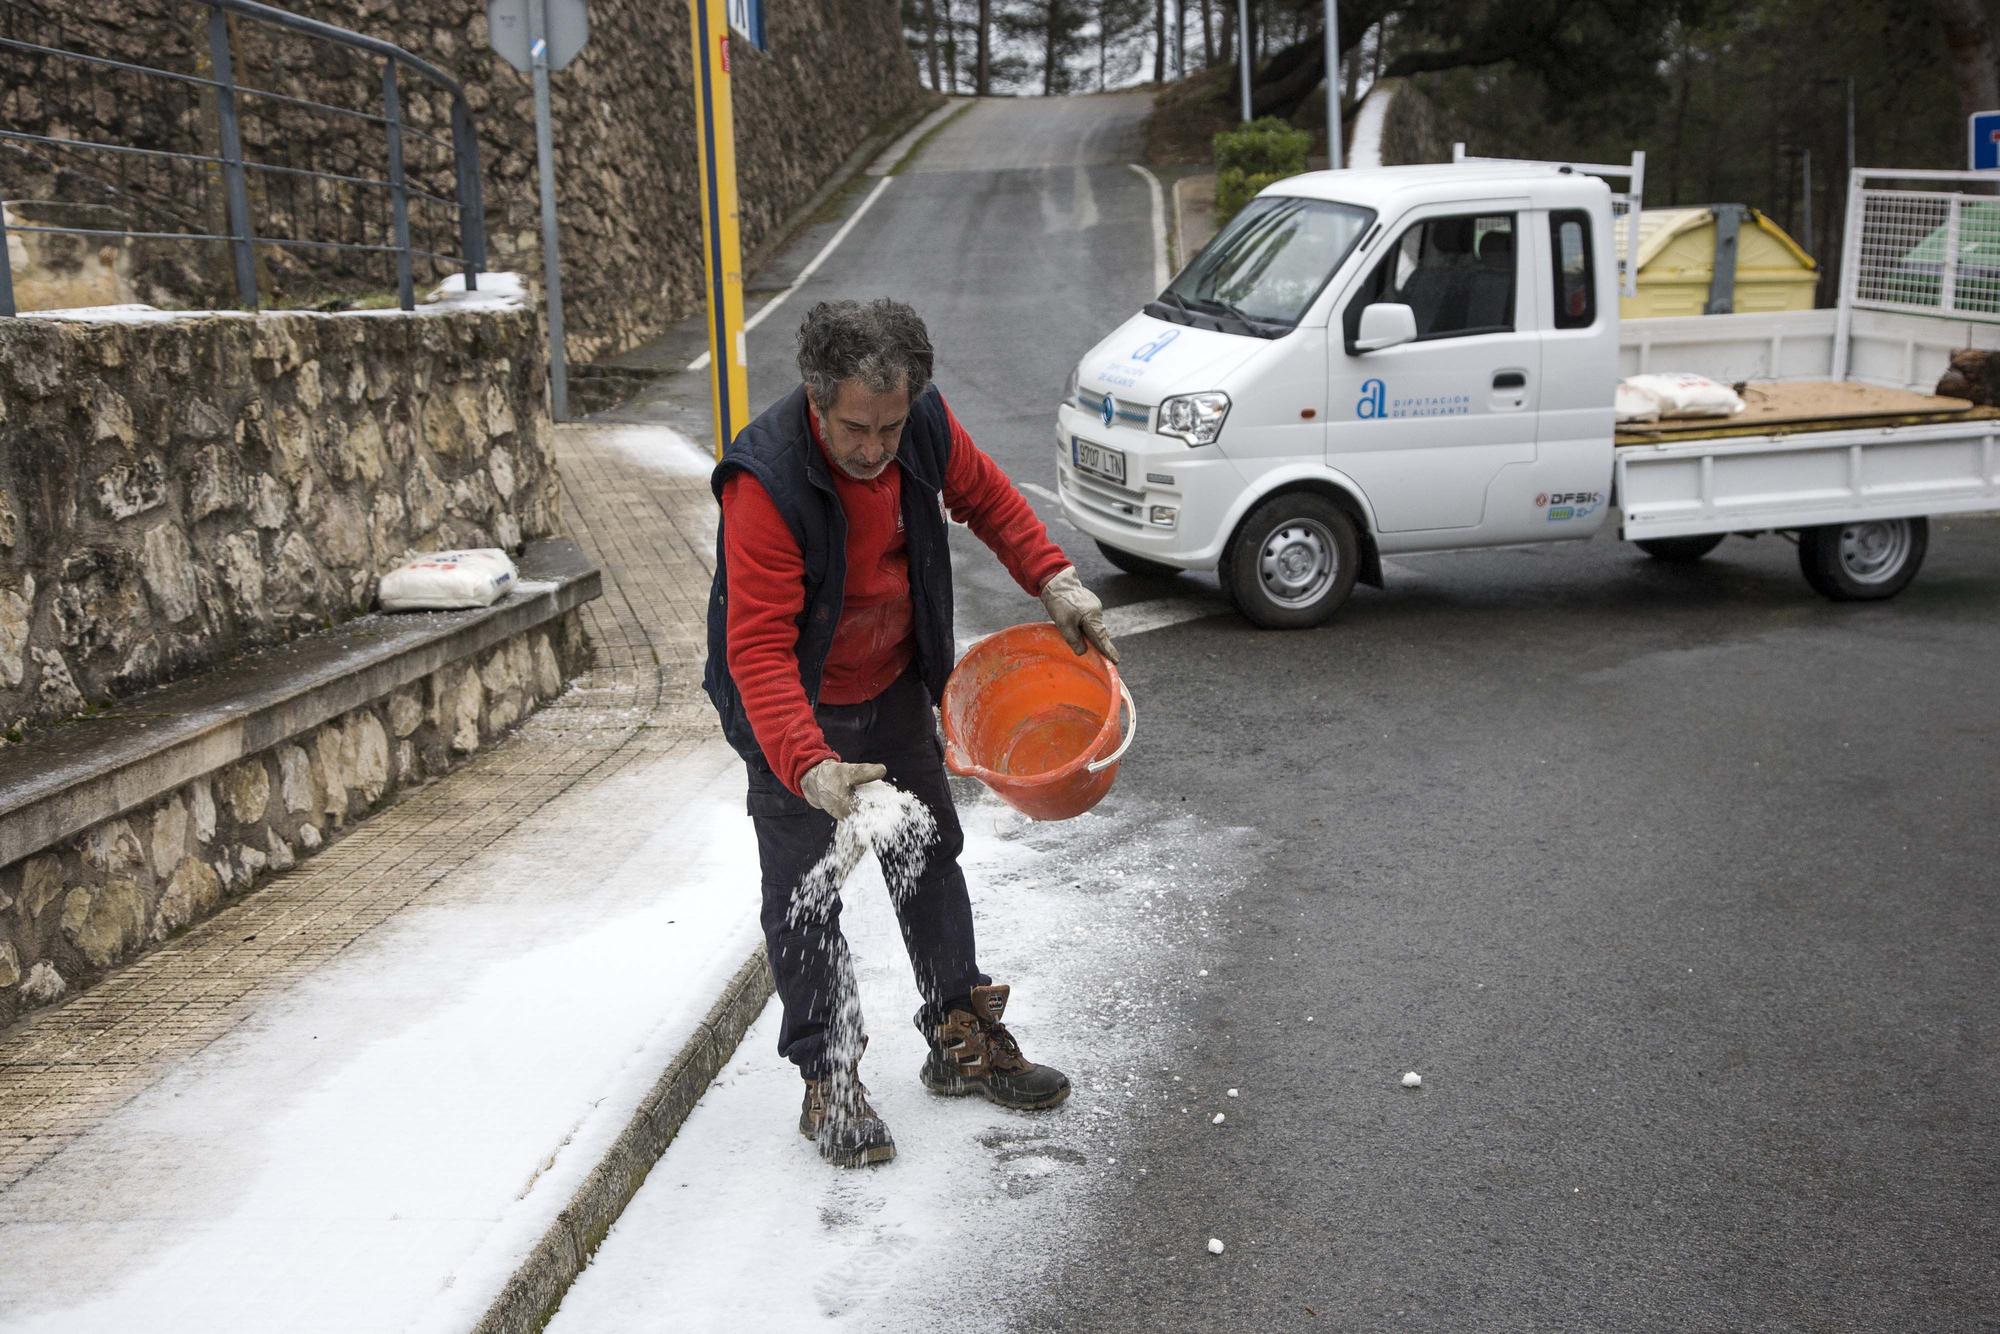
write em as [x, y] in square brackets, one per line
[70, 1068]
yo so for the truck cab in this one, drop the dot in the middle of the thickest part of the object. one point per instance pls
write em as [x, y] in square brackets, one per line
[1360, 363]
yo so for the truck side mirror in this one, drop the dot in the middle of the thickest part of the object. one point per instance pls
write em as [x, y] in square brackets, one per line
[1385, 324]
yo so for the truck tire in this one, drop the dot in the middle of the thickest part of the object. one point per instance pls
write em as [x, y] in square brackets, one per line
[1680, 550]
[1863, 562]
[1138, 565]
[1292, 562]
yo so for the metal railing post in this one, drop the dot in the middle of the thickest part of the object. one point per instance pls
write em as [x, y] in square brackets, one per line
[471, 218]
[399, 193]
[236, 189]
[6, 266]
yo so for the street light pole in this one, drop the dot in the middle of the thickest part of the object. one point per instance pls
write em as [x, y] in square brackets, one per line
[1333, 155]
[1243, 52]
[545, 170]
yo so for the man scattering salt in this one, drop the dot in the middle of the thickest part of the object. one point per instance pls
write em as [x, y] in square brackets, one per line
[829, 641]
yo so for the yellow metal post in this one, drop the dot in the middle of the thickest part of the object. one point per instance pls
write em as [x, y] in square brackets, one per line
[722, 252]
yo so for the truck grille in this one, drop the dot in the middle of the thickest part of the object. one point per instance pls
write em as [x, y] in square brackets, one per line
[1122, 408]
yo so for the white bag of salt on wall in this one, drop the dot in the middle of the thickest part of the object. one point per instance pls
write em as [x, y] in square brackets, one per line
[447, 580]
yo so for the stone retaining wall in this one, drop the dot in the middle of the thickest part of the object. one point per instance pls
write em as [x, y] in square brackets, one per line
[625, 136]
[173, 491]
[72, 912]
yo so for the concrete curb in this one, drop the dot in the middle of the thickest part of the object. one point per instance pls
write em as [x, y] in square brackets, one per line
[530, 1299]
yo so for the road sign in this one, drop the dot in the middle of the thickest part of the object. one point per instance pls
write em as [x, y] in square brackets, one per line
[1983, 136]
[510, 32]
[747, 17]
[722, 251]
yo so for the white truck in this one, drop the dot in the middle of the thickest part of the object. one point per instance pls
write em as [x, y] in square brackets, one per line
[1369, 363]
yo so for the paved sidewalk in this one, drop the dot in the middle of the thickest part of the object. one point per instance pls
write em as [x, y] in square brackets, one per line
[357, 1098]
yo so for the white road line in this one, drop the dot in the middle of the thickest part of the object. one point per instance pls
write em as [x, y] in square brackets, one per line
[1160, 275]
[700, 363]
[1136, 618]
[1048, 495]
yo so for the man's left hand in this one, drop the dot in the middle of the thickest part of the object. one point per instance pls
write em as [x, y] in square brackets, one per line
[1077, 613]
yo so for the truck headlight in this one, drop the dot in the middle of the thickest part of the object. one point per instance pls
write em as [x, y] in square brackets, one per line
[1195, 418]
[1071, 385]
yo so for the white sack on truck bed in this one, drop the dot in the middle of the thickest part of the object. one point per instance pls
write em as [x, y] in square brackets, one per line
[1688, 395]
[1636, 405]
[448, 580]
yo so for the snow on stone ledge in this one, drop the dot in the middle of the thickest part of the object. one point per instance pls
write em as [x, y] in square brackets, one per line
[497, 291]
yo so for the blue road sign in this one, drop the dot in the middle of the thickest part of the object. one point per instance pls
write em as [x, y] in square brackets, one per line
[1984, 136]
[747, 18]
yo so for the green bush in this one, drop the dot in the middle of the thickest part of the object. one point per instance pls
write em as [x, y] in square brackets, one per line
[1234, 189]
[1250, 157]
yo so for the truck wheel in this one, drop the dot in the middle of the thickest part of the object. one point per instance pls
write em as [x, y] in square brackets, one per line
[1863, 562]
[1680, 550]
[1138, 565]
[1293, 562]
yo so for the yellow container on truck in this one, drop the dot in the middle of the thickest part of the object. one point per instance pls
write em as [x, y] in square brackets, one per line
[1679, 264]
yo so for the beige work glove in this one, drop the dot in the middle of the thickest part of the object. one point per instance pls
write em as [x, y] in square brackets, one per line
[829, 785]
[1077, 613]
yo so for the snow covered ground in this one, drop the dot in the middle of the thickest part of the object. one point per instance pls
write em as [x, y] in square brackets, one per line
[379, 1148]
[1100, 924]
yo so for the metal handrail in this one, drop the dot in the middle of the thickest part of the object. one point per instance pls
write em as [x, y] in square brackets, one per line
[235, 168]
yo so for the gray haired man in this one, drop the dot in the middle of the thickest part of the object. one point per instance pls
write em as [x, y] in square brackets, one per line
[829, 641]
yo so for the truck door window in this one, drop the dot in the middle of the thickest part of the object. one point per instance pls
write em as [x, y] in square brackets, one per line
[1456, 274]
[1576, 292]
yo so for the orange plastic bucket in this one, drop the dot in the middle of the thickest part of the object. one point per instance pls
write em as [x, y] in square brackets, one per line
[1036, 722]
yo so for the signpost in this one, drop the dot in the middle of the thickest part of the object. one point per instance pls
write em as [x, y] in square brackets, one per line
[722, 251]
[538, 37]
[1982, 132]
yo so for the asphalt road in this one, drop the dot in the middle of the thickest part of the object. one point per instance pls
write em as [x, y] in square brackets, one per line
[1677, 885]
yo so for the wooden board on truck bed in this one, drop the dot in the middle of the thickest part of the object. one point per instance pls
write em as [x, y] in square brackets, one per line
[1785, 407]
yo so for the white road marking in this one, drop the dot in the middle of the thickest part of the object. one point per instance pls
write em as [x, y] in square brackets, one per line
[1136, 618]
[1160, 275]
[1048, 495]
[700, 363]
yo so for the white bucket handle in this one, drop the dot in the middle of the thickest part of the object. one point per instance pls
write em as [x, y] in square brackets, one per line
[1131, 730]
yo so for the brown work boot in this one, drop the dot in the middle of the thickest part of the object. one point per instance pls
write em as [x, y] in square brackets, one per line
[837, 1118]
[972, 1052]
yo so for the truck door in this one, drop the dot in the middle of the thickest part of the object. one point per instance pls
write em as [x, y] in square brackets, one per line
[1426, 427]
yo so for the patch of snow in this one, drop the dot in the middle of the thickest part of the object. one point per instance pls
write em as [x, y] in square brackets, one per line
[742, 1226]
[497, 291]
[659, 448]
[381, 1146]
[1413, 1080]
[1219, 1118]
[1215, 1246]
[1232, 1093]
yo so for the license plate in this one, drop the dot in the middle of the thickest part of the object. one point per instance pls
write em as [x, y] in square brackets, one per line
[1097, 460]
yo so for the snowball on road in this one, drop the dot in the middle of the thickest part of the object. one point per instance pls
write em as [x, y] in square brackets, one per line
[1413, 1080]
[1215, 1245]
[1219, 1118]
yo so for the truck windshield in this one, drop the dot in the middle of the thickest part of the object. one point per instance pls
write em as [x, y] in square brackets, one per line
[1262, 272]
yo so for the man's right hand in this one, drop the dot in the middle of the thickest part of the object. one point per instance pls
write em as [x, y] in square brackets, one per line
[829, 785]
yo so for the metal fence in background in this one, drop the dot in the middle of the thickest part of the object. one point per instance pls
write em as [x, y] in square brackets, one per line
[425, 186]
[1932, 250]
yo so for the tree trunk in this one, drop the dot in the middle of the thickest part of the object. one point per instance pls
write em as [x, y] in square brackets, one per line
[951, 46]
[1050, 20]
[1968, 42]
[1180, 38]
[1159, 41]
[1207, 37]
[983, 78]
[930, 43]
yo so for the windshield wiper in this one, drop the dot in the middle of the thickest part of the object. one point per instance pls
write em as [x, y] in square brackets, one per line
[1171, 296]
[1218, 306]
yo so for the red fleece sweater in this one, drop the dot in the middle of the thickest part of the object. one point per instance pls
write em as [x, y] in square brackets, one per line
[875, 639]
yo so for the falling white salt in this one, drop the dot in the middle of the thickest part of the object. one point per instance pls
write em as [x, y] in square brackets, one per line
[1215, 1245]
[1220, 1117]
[1413, 1080]
[899, 829]
[1232, 1093]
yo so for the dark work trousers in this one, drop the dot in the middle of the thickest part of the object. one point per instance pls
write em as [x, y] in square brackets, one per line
[896, 729]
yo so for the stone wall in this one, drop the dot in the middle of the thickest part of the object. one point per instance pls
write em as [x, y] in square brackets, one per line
[176, 490]
[837, 70]
[78, 909]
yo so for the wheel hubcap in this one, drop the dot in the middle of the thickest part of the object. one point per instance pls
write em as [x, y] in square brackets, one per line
[1871, 553]
[1297, 564]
